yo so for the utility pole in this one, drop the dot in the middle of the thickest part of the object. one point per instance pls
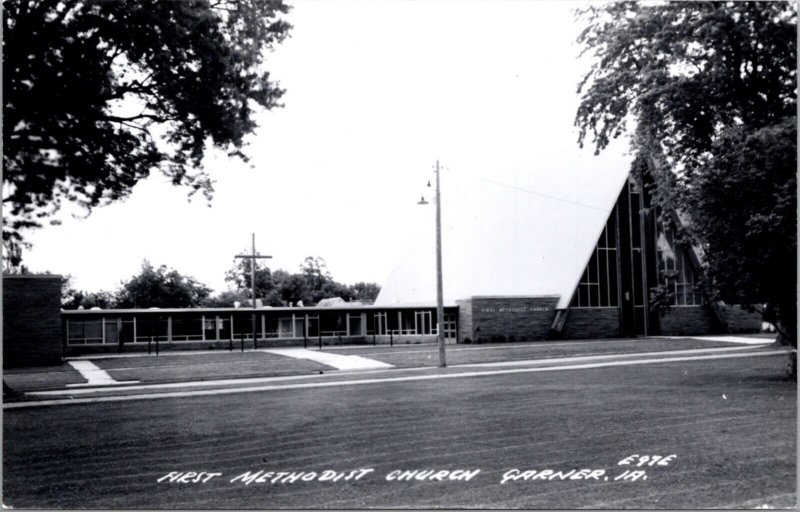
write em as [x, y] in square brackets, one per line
[439, 293]
[439, 288]
[253, 257]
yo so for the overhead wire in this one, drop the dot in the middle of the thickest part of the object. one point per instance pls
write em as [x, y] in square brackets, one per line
[546, 196]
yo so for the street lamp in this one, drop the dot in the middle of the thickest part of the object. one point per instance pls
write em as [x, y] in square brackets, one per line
[439, 294]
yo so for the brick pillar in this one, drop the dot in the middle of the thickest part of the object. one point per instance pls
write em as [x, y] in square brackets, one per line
[32, 333]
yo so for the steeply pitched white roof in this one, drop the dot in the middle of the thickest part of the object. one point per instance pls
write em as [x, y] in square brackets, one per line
[517, 232]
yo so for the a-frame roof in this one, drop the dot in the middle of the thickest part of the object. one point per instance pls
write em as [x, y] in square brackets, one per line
[524, 231]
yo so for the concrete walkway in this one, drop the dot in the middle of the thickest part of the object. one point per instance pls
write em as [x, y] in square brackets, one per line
[338, 361]
[95, 376]
[737, 339]
[147, 392]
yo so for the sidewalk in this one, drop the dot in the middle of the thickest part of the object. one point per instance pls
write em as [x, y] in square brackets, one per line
[193, 366]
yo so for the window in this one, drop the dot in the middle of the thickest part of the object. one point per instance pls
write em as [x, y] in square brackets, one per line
[450, 326]
[111, 329]
[355, 325]
[675, 270]
[209, 328]
[380, 323]
[407, 322]
[82, 332]
[598, 285]
[423, 322]
[285, 328]
[187, 327]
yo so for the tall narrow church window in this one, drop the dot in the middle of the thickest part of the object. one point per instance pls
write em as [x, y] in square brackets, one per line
[598, 285]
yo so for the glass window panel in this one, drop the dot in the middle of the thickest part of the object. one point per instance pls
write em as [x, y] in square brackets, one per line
[76, 329]
[612, 228]
[636, 240]
[637, 279]
[355, 325]
[391, 321]
[270, 325]
[112, 330]
[313, 326]
[93, 329]
[583, 295]
[593, 277]
[209, 329]
[224, 324]
[408, 321]
[594, 295]
[604, 289]
[380, 323]
[185, 326]
[126, 334]
[597, 271]
[285, 327]
[612, 278]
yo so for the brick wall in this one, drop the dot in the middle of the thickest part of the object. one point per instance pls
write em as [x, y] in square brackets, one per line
[487, 319]
[688, 321]
[592, 323]
[740, 320]
[32, 333]
[465, 330]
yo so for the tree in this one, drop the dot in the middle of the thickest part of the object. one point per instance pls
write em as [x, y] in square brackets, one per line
[226, 299]
[96, 95]
[240, 276]
[315, 269]
[293, 288]
[72, 298]
[365, 292]
[161, 287]
[312, 284]
[708, 90]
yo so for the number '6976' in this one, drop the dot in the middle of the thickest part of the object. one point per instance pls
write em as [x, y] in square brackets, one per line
[647, 460]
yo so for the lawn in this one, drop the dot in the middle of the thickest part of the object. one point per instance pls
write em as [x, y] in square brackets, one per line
[730, 424]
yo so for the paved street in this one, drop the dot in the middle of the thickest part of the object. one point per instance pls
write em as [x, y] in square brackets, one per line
[725, 428]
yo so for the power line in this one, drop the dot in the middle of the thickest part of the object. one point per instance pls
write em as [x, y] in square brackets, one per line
[545, 195]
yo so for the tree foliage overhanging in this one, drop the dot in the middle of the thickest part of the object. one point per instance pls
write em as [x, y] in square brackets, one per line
[708, 91]
[98, 94]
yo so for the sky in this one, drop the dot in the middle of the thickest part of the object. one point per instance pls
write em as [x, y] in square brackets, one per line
[376, 93]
